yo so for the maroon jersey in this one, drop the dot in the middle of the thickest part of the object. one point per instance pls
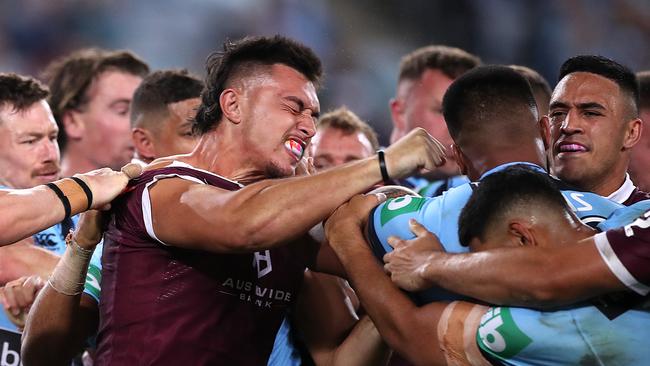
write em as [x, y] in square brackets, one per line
[169, 306]
[636, 196]
[626, 251]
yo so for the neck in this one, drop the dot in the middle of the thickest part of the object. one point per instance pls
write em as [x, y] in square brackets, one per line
[221, 154]
[607, 185]
[74, 162]
[483, 160]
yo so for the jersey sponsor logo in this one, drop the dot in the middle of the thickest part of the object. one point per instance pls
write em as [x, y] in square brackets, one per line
[263, 297]
[262, 262]
[642, 222]
[9, 348]
[399, 206]
[500, 335]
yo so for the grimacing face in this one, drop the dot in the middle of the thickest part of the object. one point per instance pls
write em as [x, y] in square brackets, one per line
[29, 152]
[279, 109]
[332, 146]
[589, 123]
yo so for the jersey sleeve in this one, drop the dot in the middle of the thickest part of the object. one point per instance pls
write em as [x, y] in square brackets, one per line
[94, 276]
[626, 251]
[391, 218]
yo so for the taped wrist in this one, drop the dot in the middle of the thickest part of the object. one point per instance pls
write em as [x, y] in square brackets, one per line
[69, 275]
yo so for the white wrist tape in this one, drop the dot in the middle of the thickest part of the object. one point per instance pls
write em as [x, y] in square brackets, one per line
[69, 275]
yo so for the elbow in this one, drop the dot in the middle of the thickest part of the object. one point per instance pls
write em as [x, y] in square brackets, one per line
[251, 236]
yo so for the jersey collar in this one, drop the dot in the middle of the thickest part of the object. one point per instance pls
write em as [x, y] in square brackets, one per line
[506, 165]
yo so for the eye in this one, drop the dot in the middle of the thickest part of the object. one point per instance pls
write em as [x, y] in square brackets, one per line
[555, 115]
[592, 113]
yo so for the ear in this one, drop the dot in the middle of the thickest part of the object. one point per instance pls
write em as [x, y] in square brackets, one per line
[461, 161]
[545, 131]
[633, 133]
[522, 232]
[397, 115]
[73, 125]
[144, 143]
[230, 102]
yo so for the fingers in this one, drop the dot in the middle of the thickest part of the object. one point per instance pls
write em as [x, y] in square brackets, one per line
[418, 229]
[89, 230]
[19, 295]
[395, 242]
[132, 170]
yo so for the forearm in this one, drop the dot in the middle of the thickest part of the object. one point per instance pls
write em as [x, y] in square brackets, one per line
[260, 216]
[305, 202]
[529, 276]
[363, 346]
[406, 328]
[56, 328]
[25, 259]
[23, 214]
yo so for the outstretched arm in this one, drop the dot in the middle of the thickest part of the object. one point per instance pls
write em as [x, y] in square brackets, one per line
[526, 276]
[271, 212]
[24, 212]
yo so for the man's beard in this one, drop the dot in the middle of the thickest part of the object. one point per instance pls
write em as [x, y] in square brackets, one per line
[272, 171]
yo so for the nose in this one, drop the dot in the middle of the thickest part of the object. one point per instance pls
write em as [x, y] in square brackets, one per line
[50, 150]
[571, 124]
[307, 126]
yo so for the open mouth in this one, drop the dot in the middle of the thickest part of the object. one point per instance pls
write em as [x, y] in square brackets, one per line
[295, 147]
[571, 148]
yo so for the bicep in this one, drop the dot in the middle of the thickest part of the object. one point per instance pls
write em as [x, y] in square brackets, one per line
[188, 215]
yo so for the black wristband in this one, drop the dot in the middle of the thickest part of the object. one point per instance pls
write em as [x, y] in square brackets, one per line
[382, 167]
[64, 200]
[87, 191]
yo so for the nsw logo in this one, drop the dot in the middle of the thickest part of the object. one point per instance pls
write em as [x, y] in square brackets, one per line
[399, 206]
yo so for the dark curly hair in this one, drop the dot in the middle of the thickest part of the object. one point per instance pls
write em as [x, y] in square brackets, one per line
[240, 58]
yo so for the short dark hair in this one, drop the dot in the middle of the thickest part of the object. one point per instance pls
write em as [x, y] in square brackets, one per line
[500, 192]
[161, 88]
[607, 68]
[451, 61]
[347, 121]
[644, 89]
[239, 59]
[70, 77]
[20, 91]
[484, 97]
[540, 87]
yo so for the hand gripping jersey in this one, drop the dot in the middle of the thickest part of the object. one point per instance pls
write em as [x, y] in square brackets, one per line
[162, 305]
[582, 335]
[440, 216]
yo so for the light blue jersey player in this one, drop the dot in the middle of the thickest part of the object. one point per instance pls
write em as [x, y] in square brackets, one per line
[440, 215]
[582, 335]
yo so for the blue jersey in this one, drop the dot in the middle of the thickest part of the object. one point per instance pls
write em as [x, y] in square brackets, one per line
[582, 335]
[92, 286]
[440, 216]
